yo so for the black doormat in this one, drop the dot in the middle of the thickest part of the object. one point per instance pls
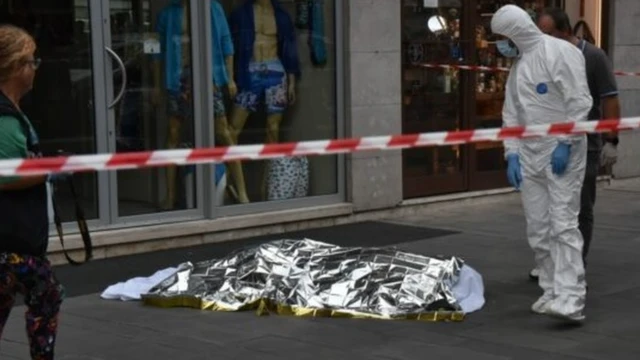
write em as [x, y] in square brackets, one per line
[96, 275]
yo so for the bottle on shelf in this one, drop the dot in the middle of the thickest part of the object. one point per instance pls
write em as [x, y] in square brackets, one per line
[481, 83]
[493, 86]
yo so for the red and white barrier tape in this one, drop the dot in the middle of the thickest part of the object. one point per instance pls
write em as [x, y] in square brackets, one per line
[158, 158]
[496, 69]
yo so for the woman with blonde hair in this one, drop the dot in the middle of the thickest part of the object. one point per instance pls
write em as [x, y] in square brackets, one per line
[24, 221]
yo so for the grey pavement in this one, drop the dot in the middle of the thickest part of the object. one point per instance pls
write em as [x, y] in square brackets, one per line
[489, 235]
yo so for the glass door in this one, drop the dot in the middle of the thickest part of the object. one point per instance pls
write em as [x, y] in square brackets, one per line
[150, 102]
[433, 98]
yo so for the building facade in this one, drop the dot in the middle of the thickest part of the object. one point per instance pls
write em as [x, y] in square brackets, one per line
[136, 75]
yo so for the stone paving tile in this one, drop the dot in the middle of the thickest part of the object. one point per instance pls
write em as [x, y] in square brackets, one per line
[511, 351]
[13, 350]
[400, 349]
[295, 348]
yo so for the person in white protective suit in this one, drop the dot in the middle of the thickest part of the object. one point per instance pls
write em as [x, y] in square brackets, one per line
[547, 84]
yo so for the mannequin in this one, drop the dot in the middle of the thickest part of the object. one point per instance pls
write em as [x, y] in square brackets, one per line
[266, 64]
[173, 27]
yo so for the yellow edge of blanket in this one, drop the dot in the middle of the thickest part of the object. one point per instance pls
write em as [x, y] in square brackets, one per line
[265, 307]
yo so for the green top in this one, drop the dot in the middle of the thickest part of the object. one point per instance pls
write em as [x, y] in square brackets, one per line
[13, 143]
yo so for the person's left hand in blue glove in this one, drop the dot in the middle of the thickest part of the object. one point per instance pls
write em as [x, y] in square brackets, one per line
[514, 172]
[560, 158]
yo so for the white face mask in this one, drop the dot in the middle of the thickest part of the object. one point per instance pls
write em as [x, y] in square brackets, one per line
[506, 49]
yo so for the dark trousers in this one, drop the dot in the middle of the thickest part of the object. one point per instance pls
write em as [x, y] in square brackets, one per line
[43, 294]
[588, 200]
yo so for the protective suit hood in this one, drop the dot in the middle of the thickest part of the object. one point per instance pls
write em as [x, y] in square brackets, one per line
[513, 22]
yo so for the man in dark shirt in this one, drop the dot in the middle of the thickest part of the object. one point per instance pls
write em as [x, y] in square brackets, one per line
[604, 91]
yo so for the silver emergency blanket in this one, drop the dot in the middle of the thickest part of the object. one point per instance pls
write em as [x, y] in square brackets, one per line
[311, 278]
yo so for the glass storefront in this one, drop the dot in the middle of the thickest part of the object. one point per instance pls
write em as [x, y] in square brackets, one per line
[132, 75]
[452, 32]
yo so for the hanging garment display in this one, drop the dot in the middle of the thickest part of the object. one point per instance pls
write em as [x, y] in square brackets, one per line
[310, 16]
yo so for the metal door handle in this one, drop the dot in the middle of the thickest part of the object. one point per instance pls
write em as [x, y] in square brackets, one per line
[123, 87]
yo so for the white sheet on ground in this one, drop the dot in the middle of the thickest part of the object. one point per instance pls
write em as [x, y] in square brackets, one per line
[469, 290]
[133, 289]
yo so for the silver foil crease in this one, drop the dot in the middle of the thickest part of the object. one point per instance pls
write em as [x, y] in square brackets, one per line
[294, 276]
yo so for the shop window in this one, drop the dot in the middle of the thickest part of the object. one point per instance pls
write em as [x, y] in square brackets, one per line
[281, 57]
[285, 75]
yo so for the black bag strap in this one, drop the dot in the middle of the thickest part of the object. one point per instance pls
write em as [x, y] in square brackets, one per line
[82, 224]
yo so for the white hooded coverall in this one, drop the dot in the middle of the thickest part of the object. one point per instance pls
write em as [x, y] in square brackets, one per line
[547, 84]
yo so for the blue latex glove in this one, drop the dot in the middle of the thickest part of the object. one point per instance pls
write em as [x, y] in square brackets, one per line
[514, 173]
[560, 158]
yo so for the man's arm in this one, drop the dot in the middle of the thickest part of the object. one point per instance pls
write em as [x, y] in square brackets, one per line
[611, 110]
[607, 86]
[12, 146]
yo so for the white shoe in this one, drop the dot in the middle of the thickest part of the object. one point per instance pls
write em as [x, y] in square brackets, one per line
[541, 305]
[534, 274]
[553, 311]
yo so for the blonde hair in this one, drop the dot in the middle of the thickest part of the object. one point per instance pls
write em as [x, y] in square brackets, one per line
[15, 45]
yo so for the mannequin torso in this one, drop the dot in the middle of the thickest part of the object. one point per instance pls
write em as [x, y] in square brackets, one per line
[266, 43]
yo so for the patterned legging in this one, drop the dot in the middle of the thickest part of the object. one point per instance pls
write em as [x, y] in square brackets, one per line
[43, 294]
